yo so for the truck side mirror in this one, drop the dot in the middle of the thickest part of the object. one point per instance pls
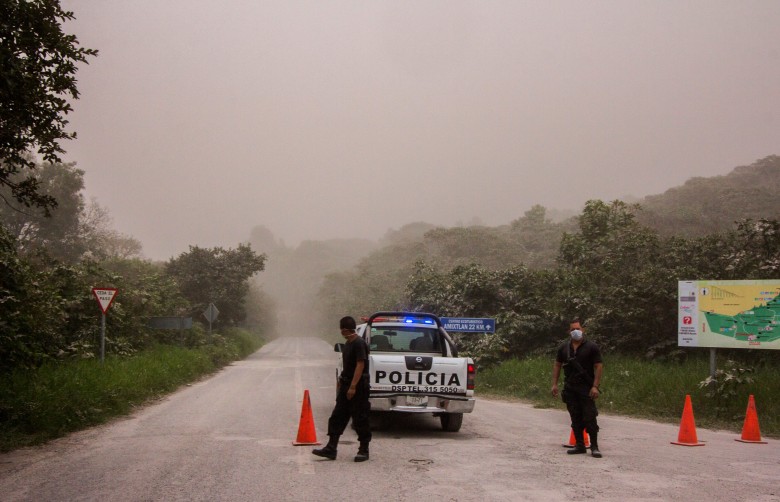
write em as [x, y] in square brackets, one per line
[339, 347]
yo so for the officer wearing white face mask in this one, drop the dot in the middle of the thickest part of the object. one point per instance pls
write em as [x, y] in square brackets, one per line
[582, 369]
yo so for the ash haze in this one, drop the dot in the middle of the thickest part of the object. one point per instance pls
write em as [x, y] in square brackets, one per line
[200, 119]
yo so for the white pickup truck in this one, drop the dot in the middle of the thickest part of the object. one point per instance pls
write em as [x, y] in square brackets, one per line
[414, 367]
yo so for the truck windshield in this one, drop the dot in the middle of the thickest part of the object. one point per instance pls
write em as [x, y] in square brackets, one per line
[404, 339]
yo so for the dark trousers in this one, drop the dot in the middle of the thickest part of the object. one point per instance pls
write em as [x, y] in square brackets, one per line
[357, 409]
[583, 412]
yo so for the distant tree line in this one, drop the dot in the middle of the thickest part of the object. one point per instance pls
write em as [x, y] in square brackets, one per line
[606, 265]
[618, 275]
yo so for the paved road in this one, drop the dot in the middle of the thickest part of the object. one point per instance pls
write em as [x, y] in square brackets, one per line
[229, 438]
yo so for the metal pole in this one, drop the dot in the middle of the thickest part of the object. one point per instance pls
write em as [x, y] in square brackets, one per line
[102, 337]
[712, 362]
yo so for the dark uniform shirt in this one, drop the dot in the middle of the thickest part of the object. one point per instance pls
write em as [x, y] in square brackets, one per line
[587, 355]
[354, 351]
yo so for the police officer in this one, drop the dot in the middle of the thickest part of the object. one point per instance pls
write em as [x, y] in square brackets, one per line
[351, 396]
[582, 369]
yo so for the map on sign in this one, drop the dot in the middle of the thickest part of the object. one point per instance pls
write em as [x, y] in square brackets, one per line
[730, 314]
[105, 297]
[469, 324]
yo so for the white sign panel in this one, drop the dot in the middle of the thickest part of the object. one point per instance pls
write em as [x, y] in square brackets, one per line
[105, 297]
[687, 315]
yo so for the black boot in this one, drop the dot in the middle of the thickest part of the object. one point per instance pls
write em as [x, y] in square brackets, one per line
[579, 443]
[329, 451]
[594, 445]
[362, 454]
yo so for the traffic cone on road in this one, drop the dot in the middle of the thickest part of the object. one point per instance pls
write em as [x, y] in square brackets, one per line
[307, 434]
[573, 440]
[750, 430]
[687, 435]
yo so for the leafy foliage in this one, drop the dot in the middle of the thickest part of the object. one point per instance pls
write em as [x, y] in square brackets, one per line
[48, 313]
[55, 230]
[38, 64]
[724, 386]
[619, 275]
[379, 281]
[74, 229]
[216, 275]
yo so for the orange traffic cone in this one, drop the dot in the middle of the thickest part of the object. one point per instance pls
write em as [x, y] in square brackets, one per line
[307, 434]
[687, 435]
[573, 441]
[750, 431]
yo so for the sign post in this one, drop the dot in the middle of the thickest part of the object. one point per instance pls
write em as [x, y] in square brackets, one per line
[105, 297]
[211, 314]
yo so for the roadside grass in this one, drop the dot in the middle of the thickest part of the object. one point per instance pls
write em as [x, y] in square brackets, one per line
[647, 389]
[57, 398]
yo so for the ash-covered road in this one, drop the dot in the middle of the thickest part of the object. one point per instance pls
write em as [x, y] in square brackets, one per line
[229, 438]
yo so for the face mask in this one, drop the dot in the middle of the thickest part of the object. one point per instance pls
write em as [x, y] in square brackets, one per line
[576, 335]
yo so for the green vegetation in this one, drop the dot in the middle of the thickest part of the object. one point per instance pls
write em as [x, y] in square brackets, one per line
[648, 389]
[54, 248]
[39, 63]
[60, 397]
[619, 276]
[617, 266]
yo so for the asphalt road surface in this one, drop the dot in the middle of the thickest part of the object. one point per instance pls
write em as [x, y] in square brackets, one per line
[229, 437]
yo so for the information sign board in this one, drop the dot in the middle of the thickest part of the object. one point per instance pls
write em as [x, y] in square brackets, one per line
[469, 324]
[729, 314]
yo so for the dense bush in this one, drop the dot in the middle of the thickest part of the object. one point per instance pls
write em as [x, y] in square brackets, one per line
[617, 274]
[48, 312]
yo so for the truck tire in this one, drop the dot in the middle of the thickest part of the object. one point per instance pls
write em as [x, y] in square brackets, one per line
[451, 422]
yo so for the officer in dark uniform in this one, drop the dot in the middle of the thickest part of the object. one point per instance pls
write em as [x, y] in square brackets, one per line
[582, 369]
[352, 395]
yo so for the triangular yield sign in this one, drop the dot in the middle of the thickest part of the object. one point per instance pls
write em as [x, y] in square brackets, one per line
[105, 297]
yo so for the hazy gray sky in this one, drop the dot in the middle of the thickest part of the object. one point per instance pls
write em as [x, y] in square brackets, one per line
[321, 119]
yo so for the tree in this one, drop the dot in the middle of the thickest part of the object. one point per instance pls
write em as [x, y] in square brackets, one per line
[609, 276]
[756, 250]
[537, 237]
[102, 242]
[216, 275]
[409, 233]
[704, 206]
[38, 65]
[56, 231]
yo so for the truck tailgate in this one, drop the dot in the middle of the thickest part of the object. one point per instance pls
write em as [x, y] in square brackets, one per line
[418, 374]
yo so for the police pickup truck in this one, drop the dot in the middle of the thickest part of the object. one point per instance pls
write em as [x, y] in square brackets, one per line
[414, 367]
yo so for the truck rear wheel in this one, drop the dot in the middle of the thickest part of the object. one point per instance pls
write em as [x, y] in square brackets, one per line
[451, 422]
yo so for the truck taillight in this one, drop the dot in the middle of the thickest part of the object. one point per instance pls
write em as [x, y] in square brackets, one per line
[472, 372]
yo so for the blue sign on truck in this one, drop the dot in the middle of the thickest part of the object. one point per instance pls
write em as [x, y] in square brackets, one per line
[469, 324]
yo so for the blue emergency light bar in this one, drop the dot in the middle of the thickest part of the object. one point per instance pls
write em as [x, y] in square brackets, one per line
[404, 317]
[418, 320]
